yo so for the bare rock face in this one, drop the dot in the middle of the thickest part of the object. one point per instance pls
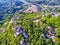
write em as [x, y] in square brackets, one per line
[51, 32]
[19, 30]
[22, 42]
[43, 36]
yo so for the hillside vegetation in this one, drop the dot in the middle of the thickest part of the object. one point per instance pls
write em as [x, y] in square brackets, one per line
[41, 30]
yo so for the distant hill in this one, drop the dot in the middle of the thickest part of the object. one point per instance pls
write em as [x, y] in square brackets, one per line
[47, 2]
[11, 6]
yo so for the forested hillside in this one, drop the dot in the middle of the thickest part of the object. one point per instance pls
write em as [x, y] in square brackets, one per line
[31, 29]
[29, 22]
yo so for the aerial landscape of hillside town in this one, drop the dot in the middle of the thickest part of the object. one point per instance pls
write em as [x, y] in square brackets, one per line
[29, 22]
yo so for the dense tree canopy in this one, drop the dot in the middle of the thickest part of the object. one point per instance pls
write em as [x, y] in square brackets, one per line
[37, 31]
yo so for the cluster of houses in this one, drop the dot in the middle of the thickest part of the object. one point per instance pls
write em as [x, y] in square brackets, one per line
[32, 9]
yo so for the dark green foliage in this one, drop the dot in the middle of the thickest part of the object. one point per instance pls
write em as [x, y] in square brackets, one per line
[34, 30]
